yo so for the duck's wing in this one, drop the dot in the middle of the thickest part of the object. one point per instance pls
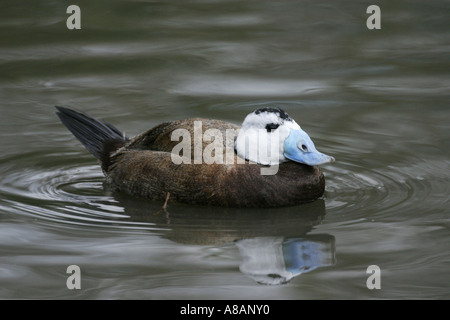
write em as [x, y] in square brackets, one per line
[193, 132]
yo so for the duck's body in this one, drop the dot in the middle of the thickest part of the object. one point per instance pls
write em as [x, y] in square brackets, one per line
[144, 166]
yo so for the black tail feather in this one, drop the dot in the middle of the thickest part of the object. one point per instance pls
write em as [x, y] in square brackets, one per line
[99, 137]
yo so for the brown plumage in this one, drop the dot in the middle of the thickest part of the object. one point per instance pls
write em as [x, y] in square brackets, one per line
[143, 167]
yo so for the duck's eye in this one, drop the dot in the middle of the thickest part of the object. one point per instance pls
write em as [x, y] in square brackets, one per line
[303, 147]
[271, 126]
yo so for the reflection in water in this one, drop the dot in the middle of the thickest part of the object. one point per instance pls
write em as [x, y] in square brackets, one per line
[277, 260]
[273, 243]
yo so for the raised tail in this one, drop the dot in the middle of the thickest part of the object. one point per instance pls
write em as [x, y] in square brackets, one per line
[99, 137]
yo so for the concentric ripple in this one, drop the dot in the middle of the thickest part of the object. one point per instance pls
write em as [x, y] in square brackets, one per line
[388, 190]
[69, 194]
[73, 193]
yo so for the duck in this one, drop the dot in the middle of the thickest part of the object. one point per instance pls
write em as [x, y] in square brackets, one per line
[268, 161]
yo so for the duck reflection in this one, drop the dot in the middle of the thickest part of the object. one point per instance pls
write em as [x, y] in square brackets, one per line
[276, 260]
[274, 243]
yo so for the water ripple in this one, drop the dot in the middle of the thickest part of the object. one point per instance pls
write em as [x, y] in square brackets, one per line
[70, 194]
[389, 189]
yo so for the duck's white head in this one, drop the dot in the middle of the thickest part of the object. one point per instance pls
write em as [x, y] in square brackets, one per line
[270, 136]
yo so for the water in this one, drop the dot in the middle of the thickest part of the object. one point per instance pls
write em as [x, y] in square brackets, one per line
[377, 100]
